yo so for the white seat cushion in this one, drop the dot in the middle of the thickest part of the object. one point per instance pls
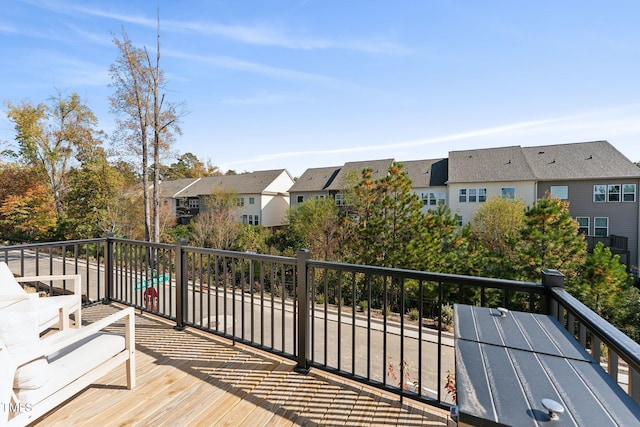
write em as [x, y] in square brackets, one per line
[74, 361]
[19, 333]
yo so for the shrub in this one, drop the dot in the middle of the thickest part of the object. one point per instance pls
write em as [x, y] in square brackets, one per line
[447, 315]
[363, 305]
[414, 314]
[320, 299]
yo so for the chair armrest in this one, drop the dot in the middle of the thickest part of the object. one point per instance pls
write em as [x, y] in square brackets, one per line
[77, 280]
[67, 337]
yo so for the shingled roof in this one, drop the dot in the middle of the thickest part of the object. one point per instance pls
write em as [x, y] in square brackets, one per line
[380, 169]
[315, 179]
[246, 183]
[489, 165]
[170, 189]
[427, 173]
[582, 160]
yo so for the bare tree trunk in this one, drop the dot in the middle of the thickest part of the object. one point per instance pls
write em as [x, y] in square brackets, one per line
[156, 141]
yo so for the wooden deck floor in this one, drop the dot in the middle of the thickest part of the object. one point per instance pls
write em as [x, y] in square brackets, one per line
[191, 378]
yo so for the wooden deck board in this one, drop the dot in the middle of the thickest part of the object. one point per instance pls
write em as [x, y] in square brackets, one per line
[192, 378]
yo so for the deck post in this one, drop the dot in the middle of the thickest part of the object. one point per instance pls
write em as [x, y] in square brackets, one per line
[552, 279]
[108, 270]
[302, 295]
[181, 284]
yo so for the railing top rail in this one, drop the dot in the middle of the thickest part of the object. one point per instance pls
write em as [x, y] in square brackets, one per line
[620, 343]
[52, 244]
[433, 277]
[245, 255]
[143, 243]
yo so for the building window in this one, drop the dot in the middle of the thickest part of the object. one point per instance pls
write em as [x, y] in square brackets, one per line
[300, 199]
[508, 193]
[560, 192]
[601, 226]
[256, 220]
[482, 195]
[614, 193]
[433, 199]
[245, 219]
[239, 201]
[473, 195]
[462, 195]
[252, 200]
[194, 203]
[338, 199]
[583, 225]
[599, 193]
[629, 193]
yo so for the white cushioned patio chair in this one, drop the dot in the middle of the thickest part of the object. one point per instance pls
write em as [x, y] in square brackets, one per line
[37, 375]
[51, 311]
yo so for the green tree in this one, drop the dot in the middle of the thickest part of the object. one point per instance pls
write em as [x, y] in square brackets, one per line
[216, 225]
[49, 136]
[315, 221]
[252, 238]
[496, 227]
[603, 283]
[94, 191]
[384, 218]
[189, 166]
[549, 239]
[444, 246]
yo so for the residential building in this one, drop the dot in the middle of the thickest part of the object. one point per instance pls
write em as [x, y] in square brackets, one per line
[477, 175]
[262, 197]
[428, 180]
[312, 183]
[350, 175]
[599, 183]
[332, 181]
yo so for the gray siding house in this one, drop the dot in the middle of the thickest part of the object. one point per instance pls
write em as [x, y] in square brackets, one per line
[601, 186]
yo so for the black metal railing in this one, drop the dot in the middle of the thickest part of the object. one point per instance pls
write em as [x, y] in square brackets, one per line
[617, 353]
[385, 327]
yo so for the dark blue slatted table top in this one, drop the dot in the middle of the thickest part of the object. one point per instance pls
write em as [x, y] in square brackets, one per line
[506, 365]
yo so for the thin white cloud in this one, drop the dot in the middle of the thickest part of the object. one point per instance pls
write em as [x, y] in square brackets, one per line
[257, 34]
[565, 128]
[406, 144]
[253, 67]
[8, 28]
[49, 68]
[101, 39]
[260, 99]
[270, 35]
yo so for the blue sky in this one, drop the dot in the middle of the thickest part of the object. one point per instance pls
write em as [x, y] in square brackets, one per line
[307, 83]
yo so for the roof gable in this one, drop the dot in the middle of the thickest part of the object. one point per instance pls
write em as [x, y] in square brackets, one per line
[315, 179]
[380, 169]
[427, 173]
[246, 183]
